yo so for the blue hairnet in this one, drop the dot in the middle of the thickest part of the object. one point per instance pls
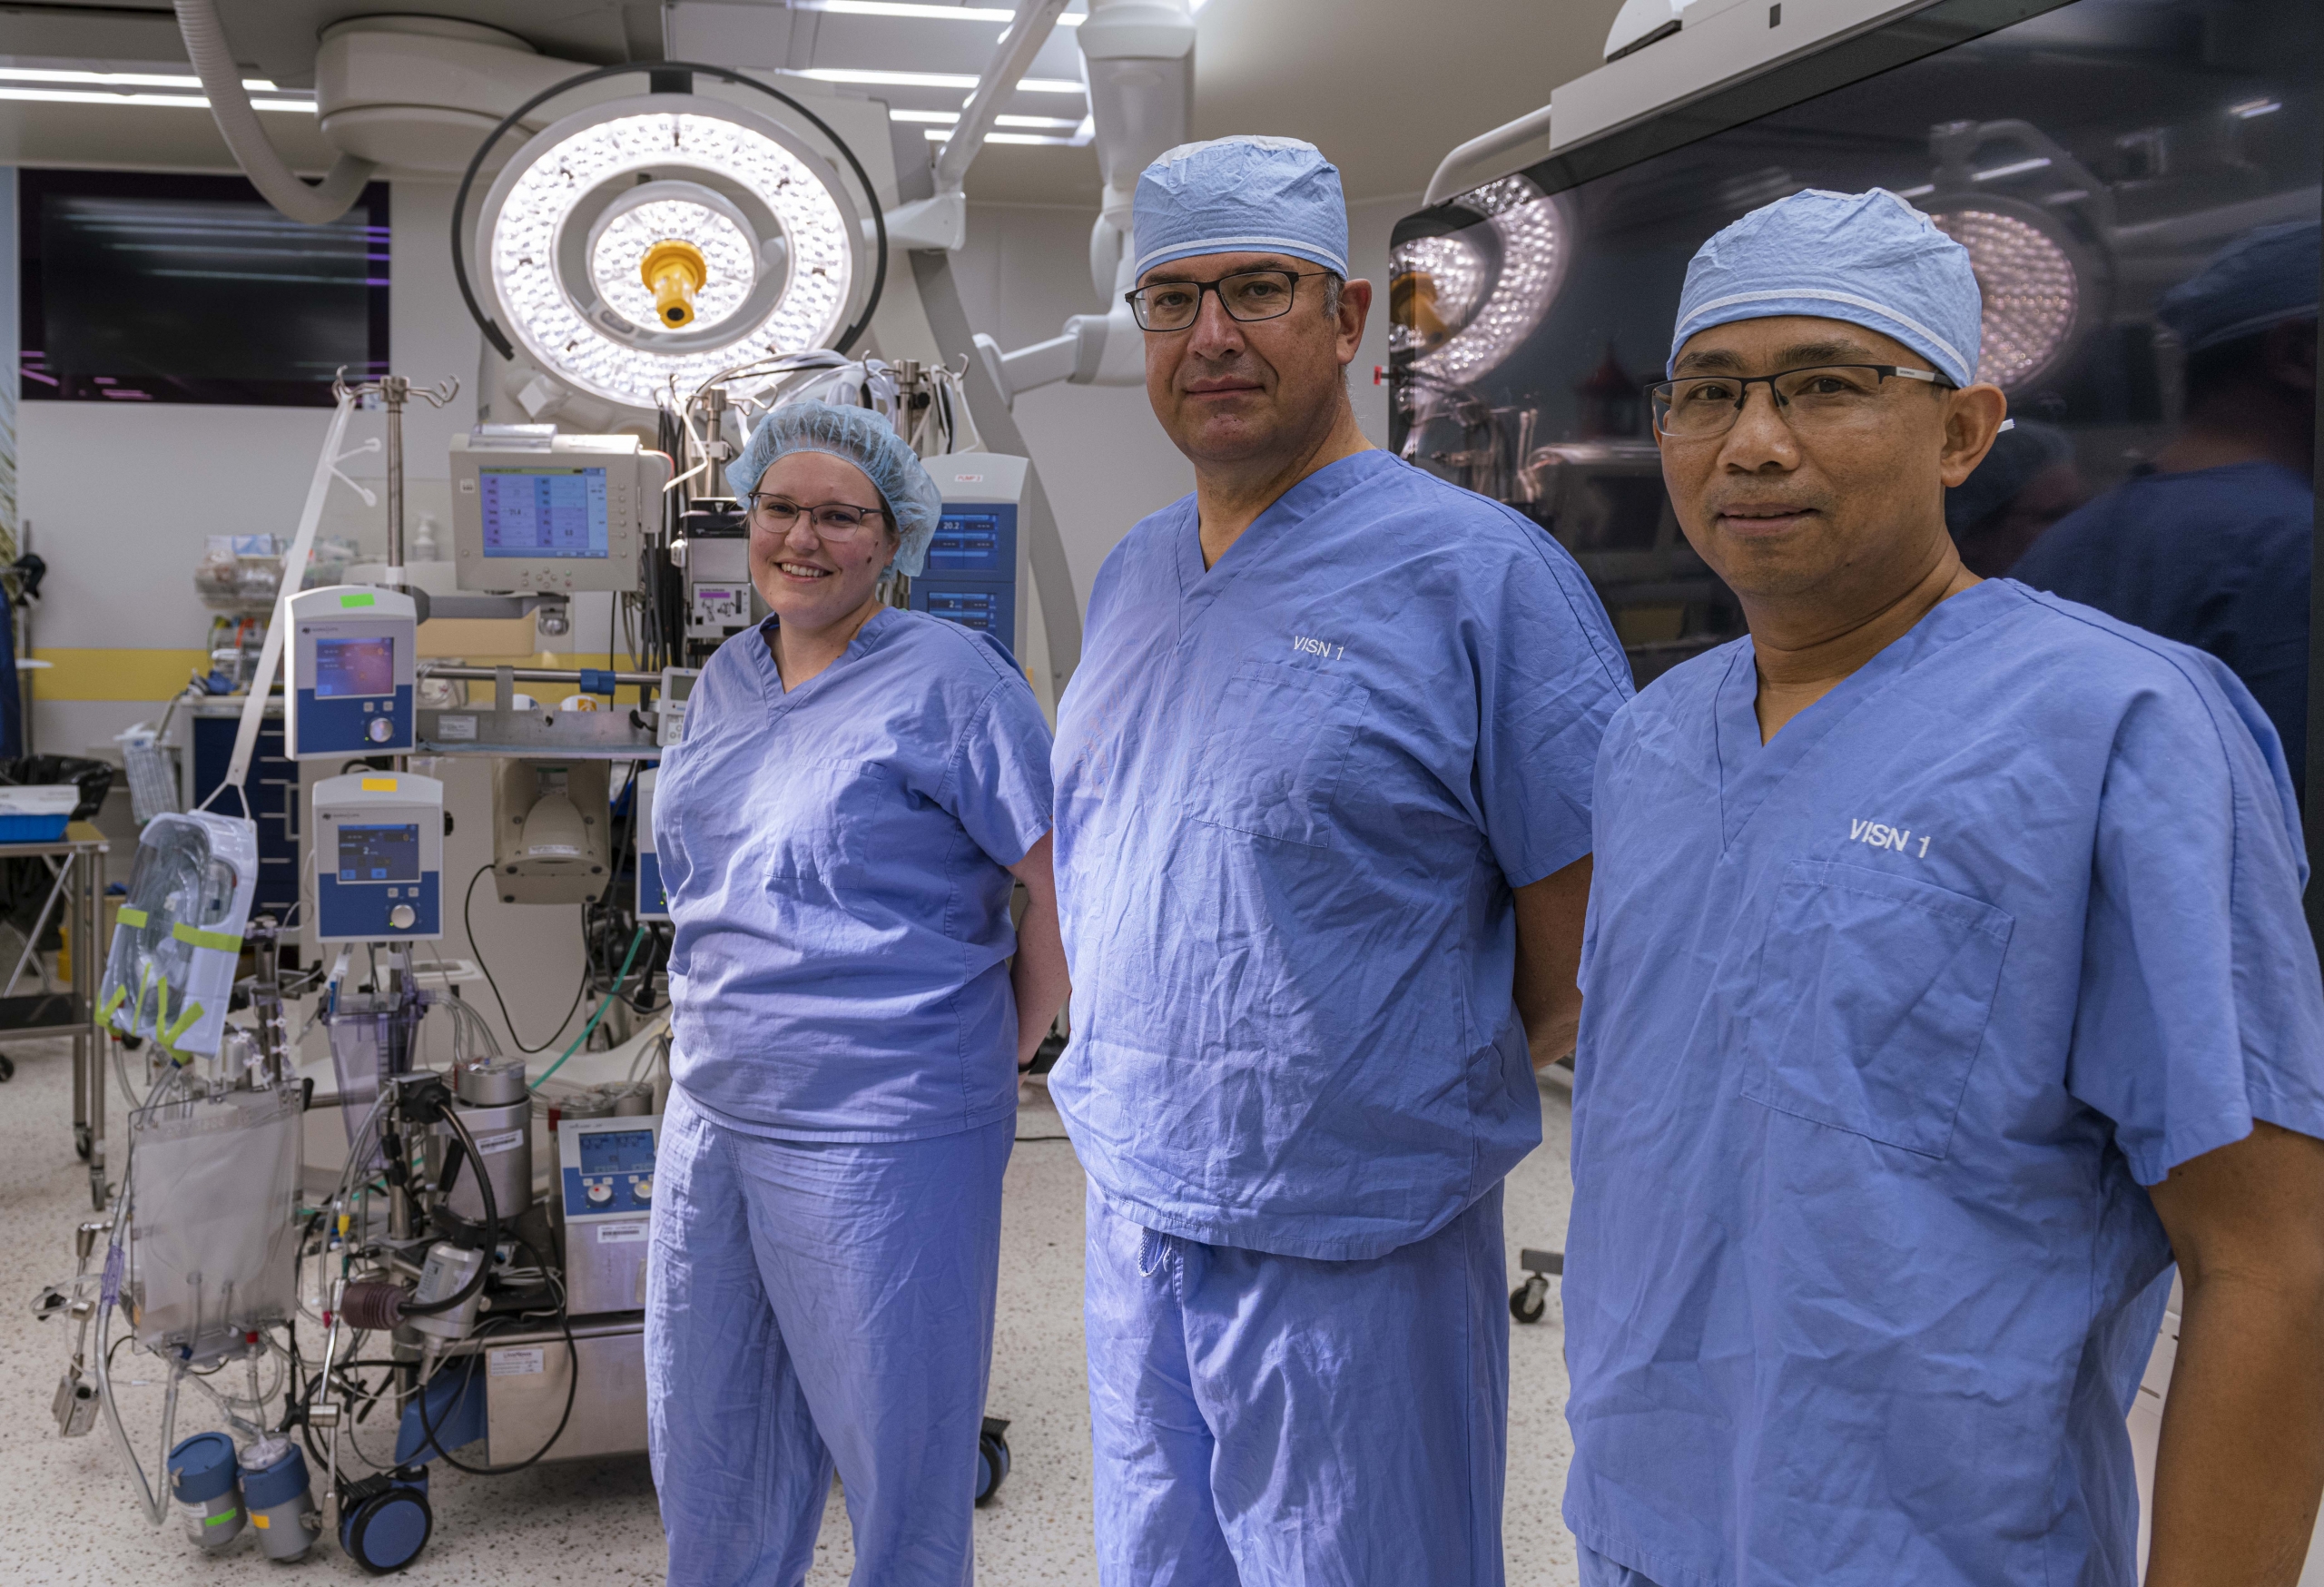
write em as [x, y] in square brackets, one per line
[865, 439]
[1240, 195]
[1869, 258]
[2262, 279]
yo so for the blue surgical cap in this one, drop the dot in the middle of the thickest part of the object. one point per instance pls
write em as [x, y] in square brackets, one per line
[865, 439]
[1240, 195]
[1869, 258]
[2262, 279]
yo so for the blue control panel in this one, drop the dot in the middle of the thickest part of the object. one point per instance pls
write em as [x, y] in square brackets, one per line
[970, 578]
[972, 606]
[975, 540]
[354, 723]
[615, 1174]
[368, 910]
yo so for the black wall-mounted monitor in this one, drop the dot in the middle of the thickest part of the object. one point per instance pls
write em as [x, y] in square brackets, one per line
[140, 287]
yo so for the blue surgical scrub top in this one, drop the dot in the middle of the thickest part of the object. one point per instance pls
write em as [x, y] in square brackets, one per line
[836, 858]
[2217, 558]
[1294, 792]
[1887, 1024]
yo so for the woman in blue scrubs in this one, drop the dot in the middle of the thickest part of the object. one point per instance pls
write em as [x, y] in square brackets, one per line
[859, 790]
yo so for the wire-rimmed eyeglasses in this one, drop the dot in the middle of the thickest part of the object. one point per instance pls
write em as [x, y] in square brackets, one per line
[837, 522]
[1820, 396]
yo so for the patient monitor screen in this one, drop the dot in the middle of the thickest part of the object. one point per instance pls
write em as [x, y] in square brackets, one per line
[543, 512]
[345, 667]
[388, 852]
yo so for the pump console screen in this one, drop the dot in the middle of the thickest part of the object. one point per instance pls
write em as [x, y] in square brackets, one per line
[543, 512]
[379, 854]
[346, 667]
[617, 1151]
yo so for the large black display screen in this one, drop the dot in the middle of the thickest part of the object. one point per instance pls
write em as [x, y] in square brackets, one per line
[145, 288]
[2090, 156]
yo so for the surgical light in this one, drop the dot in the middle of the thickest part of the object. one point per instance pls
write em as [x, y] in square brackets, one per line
[662, 240]
[2033, 293]
[1484, 307]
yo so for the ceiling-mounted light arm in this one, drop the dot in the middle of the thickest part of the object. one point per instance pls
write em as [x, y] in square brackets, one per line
[230, 106]
[941, 222]
[1036, 20]
[666, 77]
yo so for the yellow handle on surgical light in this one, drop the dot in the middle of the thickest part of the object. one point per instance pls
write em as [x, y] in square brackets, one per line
[675, 270]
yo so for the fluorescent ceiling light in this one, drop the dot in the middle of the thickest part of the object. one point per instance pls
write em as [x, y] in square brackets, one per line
[938, 134]
[122, 79]
[911, 8]
[2254, 107]
[945, 118]
[174, 101]
[934, 80]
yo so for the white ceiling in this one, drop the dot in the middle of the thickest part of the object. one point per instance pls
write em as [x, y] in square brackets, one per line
[1385, 87]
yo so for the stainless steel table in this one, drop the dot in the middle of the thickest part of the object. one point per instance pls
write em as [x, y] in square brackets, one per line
[76, 862]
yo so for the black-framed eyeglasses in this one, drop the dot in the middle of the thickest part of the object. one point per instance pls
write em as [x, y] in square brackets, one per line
[1821, 397]
[1246, 295]
[839, 522]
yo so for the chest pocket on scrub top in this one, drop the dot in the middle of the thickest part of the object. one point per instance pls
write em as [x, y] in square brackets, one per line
[1276, 753]
[820, 817]
[1871, 1002]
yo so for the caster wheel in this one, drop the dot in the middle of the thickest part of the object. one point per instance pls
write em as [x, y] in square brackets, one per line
[7, 1068]
[386, 1521]
[1529, 1300]
[81, 1141]
[992, 1458]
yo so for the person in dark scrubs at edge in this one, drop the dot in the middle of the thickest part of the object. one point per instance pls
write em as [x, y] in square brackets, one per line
[1946, 980]
[2211, 544]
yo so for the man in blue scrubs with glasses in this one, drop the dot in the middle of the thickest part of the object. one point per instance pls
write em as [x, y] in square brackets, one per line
[1322, 840]
[1946, 981]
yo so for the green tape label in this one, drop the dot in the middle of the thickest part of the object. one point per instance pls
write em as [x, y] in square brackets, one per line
[131, 916]
[225, 942]
[223, 1519]
[359, 600]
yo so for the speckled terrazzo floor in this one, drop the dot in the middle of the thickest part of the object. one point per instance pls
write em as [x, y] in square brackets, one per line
[72, 1518]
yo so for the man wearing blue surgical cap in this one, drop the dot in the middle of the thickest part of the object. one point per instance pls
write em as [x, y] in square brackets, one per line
[2211, 544]
[1946, 981]
[1322, 845]
[858, 791]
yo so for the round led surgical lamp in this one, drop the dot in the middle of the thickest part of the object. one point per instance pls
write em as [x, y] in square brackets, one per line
[1469, 298]
[665, 239]
[2038, 292]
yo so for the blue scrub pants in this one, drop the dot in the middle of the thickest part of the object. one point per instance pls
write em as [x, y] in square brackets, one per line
[1265, 1421]
[812, 1305]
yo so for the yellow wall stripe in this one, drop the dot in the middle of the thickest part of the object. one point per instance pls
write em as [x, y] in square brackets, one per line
[157, 674]
[114, 675]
